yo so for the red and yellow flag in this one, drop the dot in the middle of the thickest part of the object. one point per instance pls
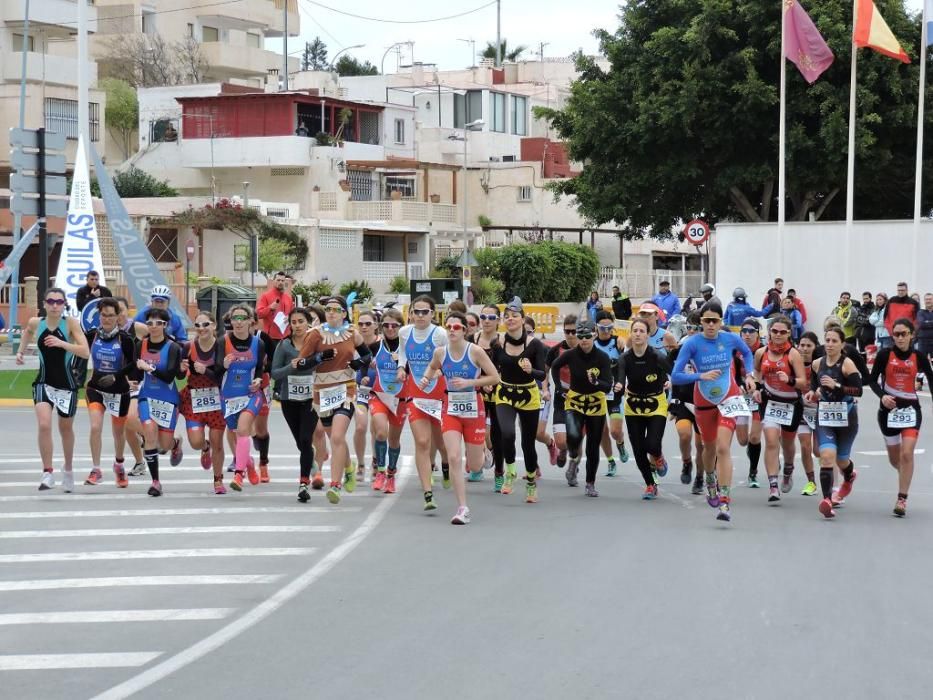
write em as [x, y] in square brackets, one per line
[873, 32]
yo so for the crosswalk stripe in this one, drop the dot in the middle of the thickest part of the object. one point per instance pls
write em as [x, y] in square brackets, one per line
[52, 584]
[45, 514]
[85, 496]
[30, 458]
[97, 616]
[137, 531]
[47, 662]
[156, 554]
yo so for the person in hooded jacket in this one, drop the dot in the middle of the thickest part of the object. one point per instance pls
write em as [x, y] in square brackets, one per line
[740, 309]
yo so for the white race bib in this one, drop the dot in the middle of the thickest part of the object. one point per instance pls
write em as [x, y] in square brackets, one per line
[332, 397]
[752, 404]
[430, 406]
[300, 387]
[905, 417]
[780, 413]
[833, 414]
[734, 407]
[161, 412]
[362, 395]
[463, 404]
[234, 405]
[390, 401]
[809, 415]
[60, 398]
[267, 393]
[205, 400]
[112, 403]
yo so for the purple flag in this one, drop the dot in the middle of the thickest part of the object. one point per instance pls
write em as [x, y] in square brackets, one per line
[803, 44]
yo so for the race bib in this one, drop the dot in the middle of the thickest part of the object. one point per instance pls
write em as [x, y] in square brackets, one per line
[905, 417]
[332, 397]
[734, 407]
[752, 404]
[809, 415]
[610, 396]
[60, 398]
[112, 403]
[463, 404]
[430, 406]
[300, 387]
[833, 414]
[234, 405]
[362, 395]
[780, 413]
[267, 393]
[390, 401]
[205, 400]
[161, 412]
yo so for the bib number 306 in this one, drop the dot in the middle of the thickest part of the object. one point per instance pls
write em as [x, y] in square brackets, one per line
[463, 404]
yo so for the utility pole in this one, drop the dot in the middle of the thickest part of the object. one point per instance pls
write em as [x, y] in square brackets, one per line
[541, 50]
[284, 81]
[17, 217]
[83, 77]
[498, 33]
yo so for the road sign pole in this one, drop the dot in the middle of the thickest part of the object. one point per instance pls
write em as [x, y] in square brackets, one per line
[43, 232]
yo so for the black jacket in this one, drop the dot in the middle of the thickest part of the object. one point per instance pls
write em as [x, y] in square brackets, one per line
[83, 295]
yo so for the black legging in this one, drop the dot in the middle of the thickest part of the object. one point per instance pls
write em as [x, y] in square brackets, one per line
[645, 434]
[495, 437]
[302, 420]
[576, 423]
[528, 424]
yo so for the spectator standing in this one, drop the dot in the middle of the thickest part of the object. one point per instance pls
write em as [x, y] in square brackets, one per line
[798, 304]
[91, 290]
[667, 301]
[796, 321]
[846, 312]
[773, 297]
[864, 330]
[740, 309]
[876, 318]
[902, 305]
[274, 307]
[925, 326]
[621, 305]
[160, 298]
[593, 306]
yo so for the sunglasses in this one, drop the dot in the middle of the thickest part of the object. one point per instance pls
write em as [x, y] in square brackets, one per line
[391, 325]
[471, 324]
[488, 317]
[206, 324]
[365, 324]
[694, 328]
[55, 302]
[239, 318]
[775, 331]
[421, 312]
[750, 330]
[570, 331]
[585, 335]
[604, 329]
[455, 327]
[333, 309]
[901, 334]
[155, 323]
[710, 319]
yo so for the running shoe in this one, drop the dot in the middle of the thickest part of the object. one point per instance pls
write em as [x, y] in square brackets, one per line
[497, 484]
[531, 491]
[461, 517]
[826, 508]
[712, 493]
[139, 469]
[156, 489]
[845, 489]
[232, 467]
[510, 475]
[562, 458]
[237, 482]
[474, 476]
[349, 478]
[390, 484]
[774, 495]
[379, 481]
[333, 494]
[724, 513]
[206, 458]
[304, 493]
[251, 472]
[219, 488]
[753, 480]
[623, 453]
[317, 481]
[573, 466]
[119, 474]
[361, 472]
[263, 473]
[68, 481]
[553, 452]
[809, 489]
[445, 475]
[429, 503]
[661, 466]
[900, 508]
[177, 453]
[787, 482]
[686, 473]
[611, 471]
[488, 460]
[650, 493]
[697, 489]
[591, 491]
[48, 481]
[95, 477]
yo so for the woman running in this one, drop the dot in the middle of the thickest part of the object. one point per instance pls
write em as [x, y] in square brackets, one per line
[58, 340]
[113, 356]
[466, 368]
[321, 448]
[748, 428]
[779, 369]
[488, 339]
[521, 365]
[834, 383]
[137, 331]
[717, 398]
[335, 386]
[261, 422]
[201, 404]
[643, 376]
[608, 343]
[808, 450]
[584, 402]
[682, 411]
[899, 415]
[560, 387]
[387, 403]
[366, 323]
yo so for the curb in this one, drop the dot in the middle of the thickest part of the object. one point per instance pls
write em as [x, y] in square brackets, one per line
[15, 403]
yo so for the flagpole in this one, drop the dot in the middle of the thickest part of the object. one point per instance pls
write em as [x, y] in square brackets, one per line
[918, 173]
[782, 121]
[850, 175]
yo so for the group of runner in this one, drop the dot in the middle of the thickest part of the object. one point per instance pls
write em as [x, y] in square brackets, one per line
[472, 394]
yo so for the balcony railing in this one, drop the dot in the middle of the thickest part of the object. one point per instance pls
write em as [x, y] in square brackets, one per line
[396, 210]
[382, 271]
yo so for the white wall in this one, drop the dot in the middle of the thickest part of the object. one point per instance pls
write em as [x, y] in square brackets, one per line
[880, 254]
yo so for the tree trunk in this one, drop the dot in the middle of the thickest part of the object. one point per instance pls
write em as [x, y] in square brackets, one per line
[826, 202]
[766, 197]
[743, 205]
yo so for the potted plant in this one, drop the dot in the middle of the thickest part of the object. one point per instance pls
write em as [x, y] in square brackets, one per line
[435, 199]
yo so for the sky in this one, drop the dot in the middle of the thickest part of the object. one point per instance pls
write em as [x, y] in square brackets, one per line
[564, 26]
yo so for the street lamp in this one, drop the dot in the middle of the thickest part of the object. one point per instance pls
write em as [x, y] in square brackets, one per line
[476, 125]
[382, 64]
[472, 43]
[333, 61]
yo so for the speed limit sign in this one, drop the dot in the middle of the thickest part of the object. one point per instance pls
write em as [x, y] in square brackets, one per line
[696, 232]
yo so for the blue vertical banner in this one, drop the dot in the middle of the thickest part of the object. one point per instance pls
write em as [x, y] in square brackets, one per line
[8, 264]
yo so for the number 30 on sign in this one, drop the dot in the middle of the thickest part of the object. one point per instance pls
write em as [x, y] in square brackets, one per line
[696, 232]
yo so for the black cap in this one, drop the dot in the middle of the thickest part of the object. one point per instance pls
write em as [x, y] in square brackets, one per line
[584, 325]
[515, 305]
[665, 283]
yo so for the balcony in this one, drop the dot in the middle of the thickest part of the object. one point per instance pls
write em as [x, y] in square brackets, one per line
[48, 13]
[242, 61]
[331, 205]
[47, 68]
[266, 151]
[244, 16]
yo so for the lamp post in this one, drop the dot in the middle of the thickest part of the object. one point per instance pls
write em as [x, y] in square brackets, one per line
[333, 61]
[189, 255]
[472, 43]
[382, 64]
[476, 125]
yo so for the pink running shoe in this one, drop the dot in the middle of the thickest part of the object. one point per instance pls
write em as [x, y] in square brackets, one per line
[379, 481]
[552, 452]
[206, 458]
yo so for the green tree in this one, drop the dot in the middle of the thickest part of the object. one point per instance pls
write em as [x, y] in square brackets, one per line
[314, 55]
[513, 55]
[134, 182]
[347, 65]
[274, 255]
[122, 113]
[684, 122]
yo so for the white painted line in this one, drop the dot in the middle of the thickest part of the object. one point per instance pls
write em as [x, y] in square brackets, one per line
[132, 581]
[884, 453]
[97, 616]
[156, 554]
[30, 458]
[47, 662]
[677, 499]
[205, 481]
[251, 618]
[137, 531]
[173, 511]
[88, 496]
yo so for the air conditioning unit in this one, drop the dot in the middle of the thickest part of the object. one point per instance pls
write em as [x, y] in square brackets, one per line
[508, 159]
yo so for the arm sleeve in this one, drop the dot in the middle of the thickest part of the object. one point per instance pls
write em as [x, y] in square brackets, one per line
[538, 360]
[620, 371]
[128, 345]
[169, 374]
[261, 358]
[219, 350]
[680, 375]
[365, 356]
[881, 363]
[814, 380]
[853, 384]
[604, 383]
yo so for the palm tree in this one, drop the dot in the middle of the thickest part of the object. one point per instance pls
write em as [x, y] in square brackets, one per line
[513, 55]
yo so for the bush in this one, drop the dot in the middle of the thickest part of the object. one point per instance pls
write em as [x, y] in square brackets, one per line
[448, 266]
[311, 293]
[363, 291]
[552, 271]
[488, 290]
[488, 259]
[527, 271]
[399, 285]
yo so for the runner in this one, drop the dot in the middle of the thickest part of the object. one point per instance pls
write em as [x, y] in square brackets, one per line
[58, 341]
[834, 382]
[160, 361]
[608, 343]
[682, 411]
[261, 439]
[717, 398]
[658, 338]
[335, 386]
[808, 450]
[113, 356]
[465, 367]
[387, 403]
[899, 415]
[133, 438]
[748, 428]
[643, 376]
[200, 399]
[488, 339]
[366, 322]
[590, 379]
[560, 387]
[542, 436]
[521, 364]
[779, 369]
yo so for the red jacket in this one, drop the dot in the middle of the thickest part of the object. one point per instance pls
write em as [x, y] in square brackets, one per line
[267, 313]
[900, 307]
[801, 308]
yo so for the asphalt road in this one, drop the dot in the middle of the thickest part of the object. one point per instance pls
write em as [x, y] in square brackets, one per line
[107, 594]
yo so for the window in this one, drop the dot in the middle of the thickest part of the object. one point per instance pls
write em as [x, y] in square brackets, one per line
[467, 108]
[163, 244]
[18, 43]
[394, 183]
[519, 115]
[253, 40]
[412, 247]
[61, 116]
[497, 109]
[148, 25]
[209, 34]
[241, 257]
[524, 193]
[190, 30]
[374, 248]
[399, 131]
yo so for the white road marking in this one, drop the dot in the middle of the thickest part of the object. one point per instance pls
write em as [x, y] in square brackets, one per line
[174, 511]
[137, 531]
[30, 458]
[46, 662]
[252, 617]
[677, 499]
[131, 581]
[86, 495]
[157, 554]
[884, 453]
[98, 616]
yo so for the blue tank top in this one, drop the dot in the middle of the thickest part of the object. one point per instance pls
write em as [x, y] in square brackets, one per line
[386, 367]
[419, 357]
[153, 387]
[107, 355]
[239, 376]
[656, 340]
[463, 368]
[611, 349]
